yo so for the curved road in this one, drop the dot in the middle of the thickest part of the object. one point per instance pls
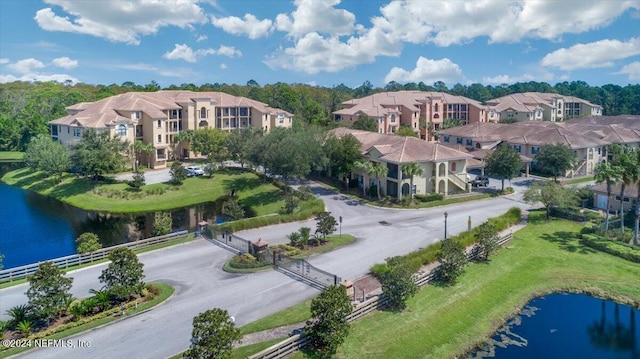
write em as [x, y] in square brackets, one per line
[194, 269]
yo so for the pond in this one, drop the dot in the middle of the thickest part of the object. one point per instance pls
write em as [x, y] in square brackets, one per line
[36, 228]
[567, 326]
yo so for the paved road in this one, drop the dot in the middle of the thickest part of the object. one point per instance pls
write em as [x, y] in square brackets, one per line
[195, 270]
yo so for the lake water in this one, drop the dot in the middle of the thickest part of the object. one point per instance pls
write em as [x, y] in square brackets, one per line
[567, 326]
[35, 228]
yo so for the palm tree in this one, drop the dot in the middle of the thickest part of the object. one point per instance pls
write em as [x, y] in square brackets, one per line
[636, 179]
[412, 169]
[367, 167]
[379, 170]
[606, 173]
[622, 158]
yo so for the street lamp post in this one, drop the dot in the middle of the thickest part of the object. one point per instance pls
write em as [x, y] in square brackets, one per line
[445, 224]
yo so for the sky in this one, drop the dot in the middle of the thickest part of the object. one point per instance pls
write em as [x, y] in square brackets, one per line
[320, 42]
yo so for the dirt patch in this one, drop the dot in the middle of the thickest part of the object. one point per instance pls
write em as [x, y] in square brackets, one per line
[366, 286]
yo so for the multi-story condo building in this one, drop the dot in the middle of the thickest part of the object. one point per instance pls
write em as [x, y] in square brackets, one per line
[538, 106]
[155, 118]
[407, 108]
[445, 168]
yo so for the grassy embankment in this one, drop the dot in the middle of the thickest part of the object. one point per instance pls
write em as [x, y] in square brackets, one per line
[11, 156]
[444, 322]
[262, 197]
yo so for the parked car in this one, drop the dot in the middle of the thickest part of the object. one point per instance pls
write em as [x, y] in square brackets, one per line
[480, 181]
[194, 171]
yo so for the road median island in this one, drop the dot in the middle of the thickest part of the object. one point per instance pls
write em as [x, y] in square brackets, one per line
[56, 336]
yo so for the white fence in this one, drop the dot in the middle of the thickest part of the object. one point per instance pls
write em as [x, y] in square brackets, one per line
[294, 343]
[15, 273]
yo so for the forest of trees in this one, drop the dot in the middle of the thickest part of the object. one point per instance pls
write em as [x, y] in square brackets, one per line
[25, 107]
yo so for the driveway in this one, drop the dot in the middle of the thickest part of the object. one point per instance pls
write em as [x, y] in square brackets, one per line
[194, 269]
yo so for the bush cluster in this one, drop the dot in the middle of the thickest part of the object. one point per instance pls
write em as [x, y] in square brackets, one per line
[615, 248]
[417, 259]
[429, 197]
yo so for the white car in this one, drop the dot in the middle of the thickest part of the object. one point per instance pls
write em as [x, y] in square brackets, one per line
[194, 171]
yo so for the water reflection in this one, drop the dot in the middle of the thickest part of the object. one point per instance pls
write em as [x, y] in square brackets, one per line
[566, 326]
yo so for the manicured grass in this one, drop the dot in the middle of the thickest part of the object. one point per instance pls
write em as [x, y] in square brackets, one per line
[445, 322]
[262, 197]
[185, 239]
[165, 292]
[292, 315]
[577, 180]
[11, 156]
[245, 351]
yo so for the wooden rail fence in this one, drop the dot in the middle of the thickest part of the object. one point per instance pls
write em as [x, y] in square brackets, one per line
[295, 342]
[11, 274]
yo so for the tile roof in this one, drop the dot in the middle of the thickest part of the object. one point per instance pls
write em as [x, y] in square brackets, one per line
[384, 103]
[400, 149]
[527, 101]
[104, 112]
[629, 190]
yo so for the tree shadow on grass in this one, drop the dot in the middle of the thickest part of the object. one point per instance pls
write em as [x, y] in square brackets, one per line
[241, 183]
[262, 198]
[75, 187]
[568, 241]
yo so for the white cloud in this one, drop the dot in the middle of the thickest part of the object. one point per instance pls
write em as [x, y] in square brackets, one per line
[439, 21]
[183, 73]
[184, 52]
[223, 66]
[506, 79]
[65, 62]
[601, 53]
[314, 53]
[249, 26]
[632, 69]
[35, 77]
[4, 61]
[428, 71]
[201, 38]
[26, 66]
[117, 20]
[316, 16]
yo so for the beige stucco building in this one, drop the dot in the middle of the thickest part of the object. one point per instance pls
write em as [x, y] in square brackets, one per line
[445, 169]
[405, 108]
[539, 106]
[155, 118]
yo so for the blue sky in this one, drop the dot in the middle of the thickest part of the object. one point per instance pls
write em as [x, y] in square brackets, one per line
[320, 42]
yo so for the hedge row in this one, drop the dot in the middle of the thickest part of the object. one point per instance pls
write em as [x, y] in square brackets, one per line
[427, 255]
[429, 197]
[615, 248]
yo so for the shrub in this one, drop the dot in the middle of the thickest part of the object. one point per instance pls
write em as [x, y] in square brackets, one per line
[429, 197]
[18, 314]
[617, 249]
[88, 242]
[286, 249]
[25, 327]
[290, 204]
[137, 180]
[4, 326]
[304, 192]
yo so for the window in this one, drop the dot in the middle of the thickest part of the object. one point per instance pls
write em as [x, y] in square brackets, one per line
[459, 140]
[159, 138]
[54, 130]
[435, 108]
[469, 142]
[492, 113]
[137, 115]
[77, 132]
[518, 148]
[534, 150]
[393, 118]
[159, 123]
[280, 118]
[243, 111]
[445, 138]
[121, 130]
[203, 112]
[453, 166]
[175, 114]
[160, 154]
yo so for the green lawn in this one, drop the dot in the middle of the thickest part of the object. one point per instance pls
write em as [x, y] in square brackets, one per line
[11, 156]
[444, 322]
[263, 198]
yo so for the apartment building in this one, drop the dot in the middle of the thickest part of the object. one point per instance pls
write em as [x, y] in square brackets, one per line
[538, 106]
[588, 137]
[406, 108]
[445, 169]
[157, 117]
